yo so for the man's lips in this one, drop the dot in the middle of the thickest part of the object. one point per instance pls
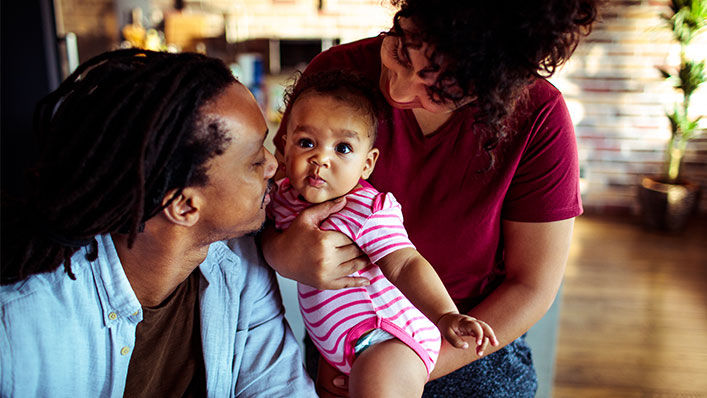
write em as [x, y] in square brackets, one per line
[266, 195]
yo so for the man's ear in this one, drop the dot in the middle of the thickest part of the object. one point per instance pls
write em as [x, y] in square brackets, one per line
[370, 164]
[184, 209]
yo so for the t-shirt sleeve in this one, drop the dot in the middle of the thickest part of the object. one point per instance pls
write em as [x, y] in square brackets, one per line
[383, 231]
[545, 186]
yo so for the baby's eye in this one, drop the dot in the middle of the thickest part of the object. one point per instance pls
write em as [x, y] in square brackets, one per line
[305, 143]
[344, 148]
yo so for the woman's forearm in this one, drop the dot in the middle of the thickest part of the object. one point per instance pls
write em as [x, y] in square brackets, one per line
[535, 259]
[510, 310]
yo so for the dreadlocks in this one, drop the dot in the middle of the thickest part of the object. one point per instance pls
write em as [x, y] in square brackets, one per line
[116, 136]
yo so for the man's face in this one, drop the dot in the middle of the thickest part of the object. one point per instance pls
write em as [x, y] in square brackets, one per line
[237, 191]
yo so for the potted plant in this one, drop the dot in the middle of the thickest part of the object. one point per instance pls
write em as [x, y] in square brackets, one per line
[667, 200]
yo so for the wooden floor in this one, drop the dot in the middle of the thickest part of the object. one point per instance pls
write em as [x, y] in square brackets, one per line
[633, 319]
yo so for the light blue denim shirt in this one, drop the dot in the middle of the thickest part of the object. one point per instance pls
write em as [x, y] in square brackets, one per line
[73, 338]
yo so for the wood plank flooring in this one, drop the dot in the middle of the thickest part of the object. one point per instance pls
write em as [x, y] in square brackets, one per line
[633, 319]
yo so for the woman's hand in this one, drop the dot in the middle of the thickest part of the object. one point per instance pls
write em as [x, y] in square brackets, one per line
[330, 382]
[305, 253]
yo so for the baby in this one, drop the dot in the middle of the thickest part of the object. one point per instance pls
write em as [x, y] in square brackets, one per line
[385, 336]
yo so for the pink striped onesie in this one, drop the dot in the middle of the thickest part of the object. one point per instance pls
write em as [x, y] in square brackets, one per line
[336, 319]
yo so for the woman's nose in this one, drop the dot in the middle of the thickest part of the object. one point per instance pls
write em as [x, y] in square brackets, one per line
[402, 85]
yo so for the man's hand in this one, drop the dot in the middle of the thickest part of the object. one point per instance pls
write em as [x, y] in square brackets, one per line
[305, 253]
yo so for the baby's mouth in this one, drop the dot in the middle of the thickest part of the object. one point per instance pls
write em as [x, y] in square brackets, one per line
[315, 181]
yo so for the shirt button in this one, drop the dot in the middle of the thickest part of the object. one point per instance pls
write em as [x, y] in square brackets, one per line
[125, 350]
[135, 313]
[112, 316]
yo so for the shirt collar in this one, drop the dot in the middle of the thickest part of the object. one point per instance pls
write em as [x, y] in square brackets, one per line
[117, 298]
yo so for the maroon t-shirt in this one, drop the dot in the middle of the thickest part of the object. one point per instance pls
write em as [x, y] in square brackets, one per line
[452, 208]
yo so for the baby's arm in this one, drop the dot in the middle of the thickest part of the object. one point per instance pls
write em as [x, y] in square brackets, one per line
[413, 275]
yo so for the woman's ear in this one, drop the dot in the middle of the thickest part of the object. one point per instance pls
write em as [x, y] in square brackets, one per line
[184, 209]
[370, 164]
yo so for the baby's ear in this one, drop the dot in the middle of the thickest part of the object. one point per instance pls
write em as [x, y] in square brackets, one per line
[370, 164]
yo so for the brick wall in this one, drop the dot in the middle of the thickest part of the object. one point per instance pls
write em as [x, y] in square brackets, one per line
[615, 94]
[618, 100]
[347, 20]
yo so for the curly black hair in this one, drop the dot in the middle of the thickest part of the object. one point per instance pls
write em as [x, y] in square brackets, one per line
[494, 49]
[115, 138]
[345, 86]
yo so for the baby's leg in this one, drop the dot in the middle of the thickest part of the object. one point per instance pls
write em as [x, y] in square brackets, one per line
[387, 369]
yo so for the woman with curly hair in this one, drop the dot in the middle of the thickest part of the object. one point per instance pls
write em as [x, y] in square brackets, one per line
[480, 152]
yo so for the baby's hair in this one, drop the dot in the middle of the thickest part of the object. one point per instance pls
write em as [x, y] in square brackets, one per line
[345, 86]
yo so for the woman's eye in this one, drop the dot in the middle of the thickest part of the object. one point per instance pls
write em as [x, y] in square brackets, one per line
[305, 143]
[434, 97]
[344, 148]
[399, 56]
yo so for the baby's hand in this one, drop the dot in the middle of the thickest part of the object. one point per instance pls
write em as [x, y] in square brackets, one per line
[453, 326]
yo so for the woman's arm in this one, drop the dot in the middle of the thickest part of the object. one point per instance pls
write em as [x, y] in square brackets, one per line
[535, 259]
[305, 253]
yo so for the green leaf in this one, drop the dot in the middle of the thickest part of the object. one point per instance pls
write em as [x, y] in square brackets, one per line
[690, 76]
[664, 72]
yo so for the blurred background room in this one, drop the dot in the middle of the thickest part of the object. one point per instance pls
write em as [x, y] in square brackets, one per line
[631, 317]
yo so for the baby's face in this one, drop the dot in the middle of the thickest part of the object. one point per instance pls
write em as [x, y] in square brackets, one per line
[328, 147]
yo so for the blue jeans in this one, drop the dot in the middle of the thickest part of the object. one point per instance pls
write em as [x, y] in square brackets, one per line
[508, 372]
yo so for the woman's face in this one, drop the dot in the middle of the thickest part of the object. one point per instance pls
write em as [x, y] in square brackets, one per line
[405, 79]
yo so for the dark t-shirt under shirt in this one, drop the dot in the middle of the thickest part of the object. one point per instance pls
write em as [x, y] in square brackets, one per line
[167, 360]
[452, 211]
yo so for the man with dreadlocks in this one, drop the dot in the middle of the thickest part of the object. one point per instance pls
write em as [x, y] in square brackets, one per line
[116, 277]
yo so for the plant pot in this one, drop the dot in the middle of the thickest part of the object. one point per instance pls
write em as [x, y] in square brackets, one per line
[667, 206]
